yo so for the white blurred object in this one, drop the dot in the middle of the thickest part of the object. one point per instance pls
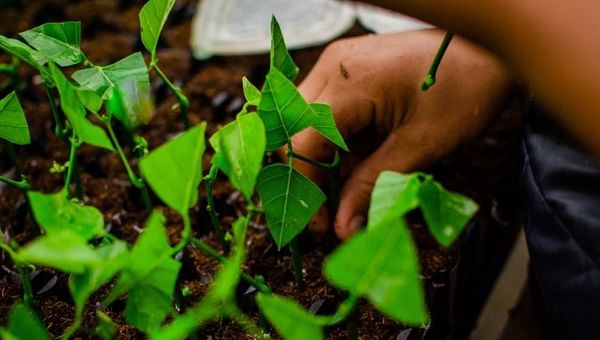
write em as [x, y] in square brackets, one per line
[381, 20]
[232, 27]
[236, 27]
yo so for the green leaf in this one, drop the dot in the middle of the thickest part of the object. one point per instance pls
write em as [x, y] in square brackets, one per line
[58, 42]
[13, 125]
[174, 170]
[70, 102]
[280, 57]
[65, 251]
[152, 20]
[325, 124]
[446, 213]
[393, 196]
[251, 92]
[55, 213]
[289, 318]
[240, 148]
[106, 328]
[126, 83]
[111, 259]
[24, 324]
[221, 293]
[149, 277]
[23, 52]
[283, 110]
[90, 99]
[289, 200]
[381, 263]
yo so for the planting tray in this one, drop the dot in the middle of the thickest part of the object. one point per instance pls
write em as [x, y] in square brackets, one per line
[455, 278]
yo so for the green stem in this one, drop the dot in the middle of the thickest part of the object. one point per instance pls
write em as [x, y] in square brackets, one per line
[296, 262]
[210, 251]
[74, 327]
[431, 75]
[8, 69]
[59, 129]
[345, 309]
[186, 235]
[23, 184]
[23, 273]
[334, 185]
[26, 282]
[74, 145]
[326, 166]
[133, 178]
[181, 98]
[210, 208]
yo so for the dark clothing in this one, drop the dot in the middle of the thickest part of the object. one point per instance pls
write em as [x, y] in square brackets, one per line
[562, 225]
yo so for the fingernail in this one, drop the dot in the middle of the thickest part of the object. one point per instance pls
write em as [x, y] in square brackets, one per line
[356, 223]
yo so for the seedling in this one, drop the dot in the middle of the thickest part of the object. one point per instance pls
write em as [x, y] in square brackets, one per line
[379, 264]
[152, 20]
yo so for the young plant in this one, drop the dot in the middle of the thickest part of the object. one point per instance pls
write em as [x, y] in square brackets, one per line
[125, 86]
[152, 20]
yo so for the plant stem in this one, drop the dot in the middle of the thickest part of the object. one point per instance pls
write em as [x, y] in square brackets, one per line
[74, 145]
[133, 178]
[23, 273]
[326, 166]
[59, 130]
[346, 308]
[210, 251]
[431, 75]
[334, 185]
[210, 208]
[296, 262]
[186, 235]
[26, 282]
[23, 184]
[181, 98]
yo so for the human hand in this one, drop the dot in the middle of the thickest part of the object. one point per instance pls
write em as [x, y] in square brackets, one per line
[373, 86]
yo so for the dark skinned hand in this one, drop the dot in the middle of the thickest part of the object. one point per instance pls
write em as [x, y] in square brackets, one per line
[373, 84]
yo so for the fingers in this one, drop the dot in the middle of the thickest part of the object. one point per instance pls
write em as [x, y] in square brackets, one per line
[400, 152]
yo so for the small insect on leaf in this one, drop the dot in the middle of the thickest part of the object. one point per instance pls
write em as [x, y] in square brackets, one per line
[174, 170]
[289, 200]
[55, 213]
[149, 277]
[289, 318]
[57, 42]
[152, 20]
[24, 324]
[381, 264]
[13, 125]
[240, 148]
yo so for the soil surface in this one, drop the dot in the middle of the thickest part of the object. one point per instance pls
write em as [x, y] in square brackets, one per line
[485, 169]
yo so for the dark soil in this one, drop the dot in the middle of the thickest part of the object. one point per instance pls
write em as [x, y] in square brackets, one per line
[485, 169]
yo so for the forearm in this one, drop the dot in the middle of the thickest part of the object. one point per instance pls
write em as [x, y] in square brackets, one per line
[552, 44]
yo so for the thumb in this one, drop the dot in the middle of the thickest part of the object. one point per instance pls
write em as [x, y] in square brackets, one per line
[397, 153]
